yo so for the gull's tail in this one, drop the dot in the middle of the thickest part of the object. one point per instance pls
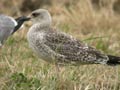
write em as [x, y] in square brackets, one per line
[113, 60]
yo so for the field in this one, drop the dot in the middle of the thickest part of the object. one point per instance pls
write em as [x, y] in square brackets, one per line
[21, 69]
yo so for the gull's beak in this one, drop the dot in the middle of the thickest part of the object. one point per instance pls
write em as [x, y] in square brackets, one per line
[27, 18]
[23, 18]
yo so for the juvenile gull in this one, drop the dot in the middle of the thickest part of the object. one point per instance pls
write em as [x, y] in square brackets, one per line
[9, 25]
[54, 46]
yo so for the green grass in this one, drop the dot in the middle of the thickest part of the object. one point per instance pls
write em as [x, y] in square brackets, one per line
[21, 69]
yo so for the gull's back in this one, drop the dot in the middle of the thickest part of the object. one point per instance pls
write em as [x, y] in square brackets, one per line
[7, 25]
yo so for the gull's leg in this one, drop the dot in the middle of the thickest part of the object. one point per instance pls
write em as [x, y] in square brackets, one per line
[0, 47]
[0, 50]
[57, 70]
[0, 44]
[57, 67]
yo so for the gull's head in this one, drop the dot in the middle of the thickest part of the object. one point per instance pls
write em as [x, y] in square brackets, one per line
[40, 16]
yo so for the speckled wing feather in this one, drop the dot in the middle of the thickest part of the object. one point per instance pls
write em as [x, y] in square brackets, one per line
[74, 50]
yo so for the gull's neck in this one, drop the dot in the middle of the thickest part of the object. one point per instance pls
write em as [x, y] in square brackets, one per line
[41, 26]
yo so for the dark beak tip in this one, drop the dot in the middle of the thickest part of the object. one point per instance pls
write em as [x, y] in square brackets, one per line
[23, 18]
[27, 18]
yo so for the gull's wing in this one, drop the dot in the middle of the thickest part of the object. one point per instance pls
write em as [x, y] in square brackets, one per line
[7, 25]
[72, 49]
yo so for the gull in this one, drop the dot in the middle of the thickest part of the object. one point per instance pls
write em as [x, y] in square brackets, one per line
[60, 48]
[9, 26]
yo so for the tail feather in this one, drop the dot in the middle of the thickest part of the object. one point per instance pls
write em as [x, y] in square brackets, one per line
[113, 60]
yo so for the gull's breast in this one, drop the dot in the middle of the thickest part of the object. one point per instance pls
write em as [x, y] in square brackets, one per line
[36, 42]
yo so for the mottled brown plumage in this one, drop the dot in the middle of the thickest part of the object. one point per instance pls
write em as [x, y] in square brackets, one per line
[52, 45]
[75, 51]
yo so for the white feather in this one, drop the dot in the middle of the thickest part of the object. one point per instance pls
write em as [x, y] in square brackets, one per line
[15, 23]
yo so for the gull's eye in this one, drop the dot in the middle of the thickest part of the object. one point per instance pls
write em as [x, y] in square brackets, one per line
[35, 14]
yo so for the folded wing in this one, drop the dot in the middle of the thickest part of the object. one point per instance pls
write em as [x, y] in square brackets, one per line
[7, 25]
[74, 50]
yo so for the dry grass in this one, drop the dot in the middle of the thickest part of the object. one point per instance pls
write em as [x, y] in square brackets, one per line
[20, 69]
